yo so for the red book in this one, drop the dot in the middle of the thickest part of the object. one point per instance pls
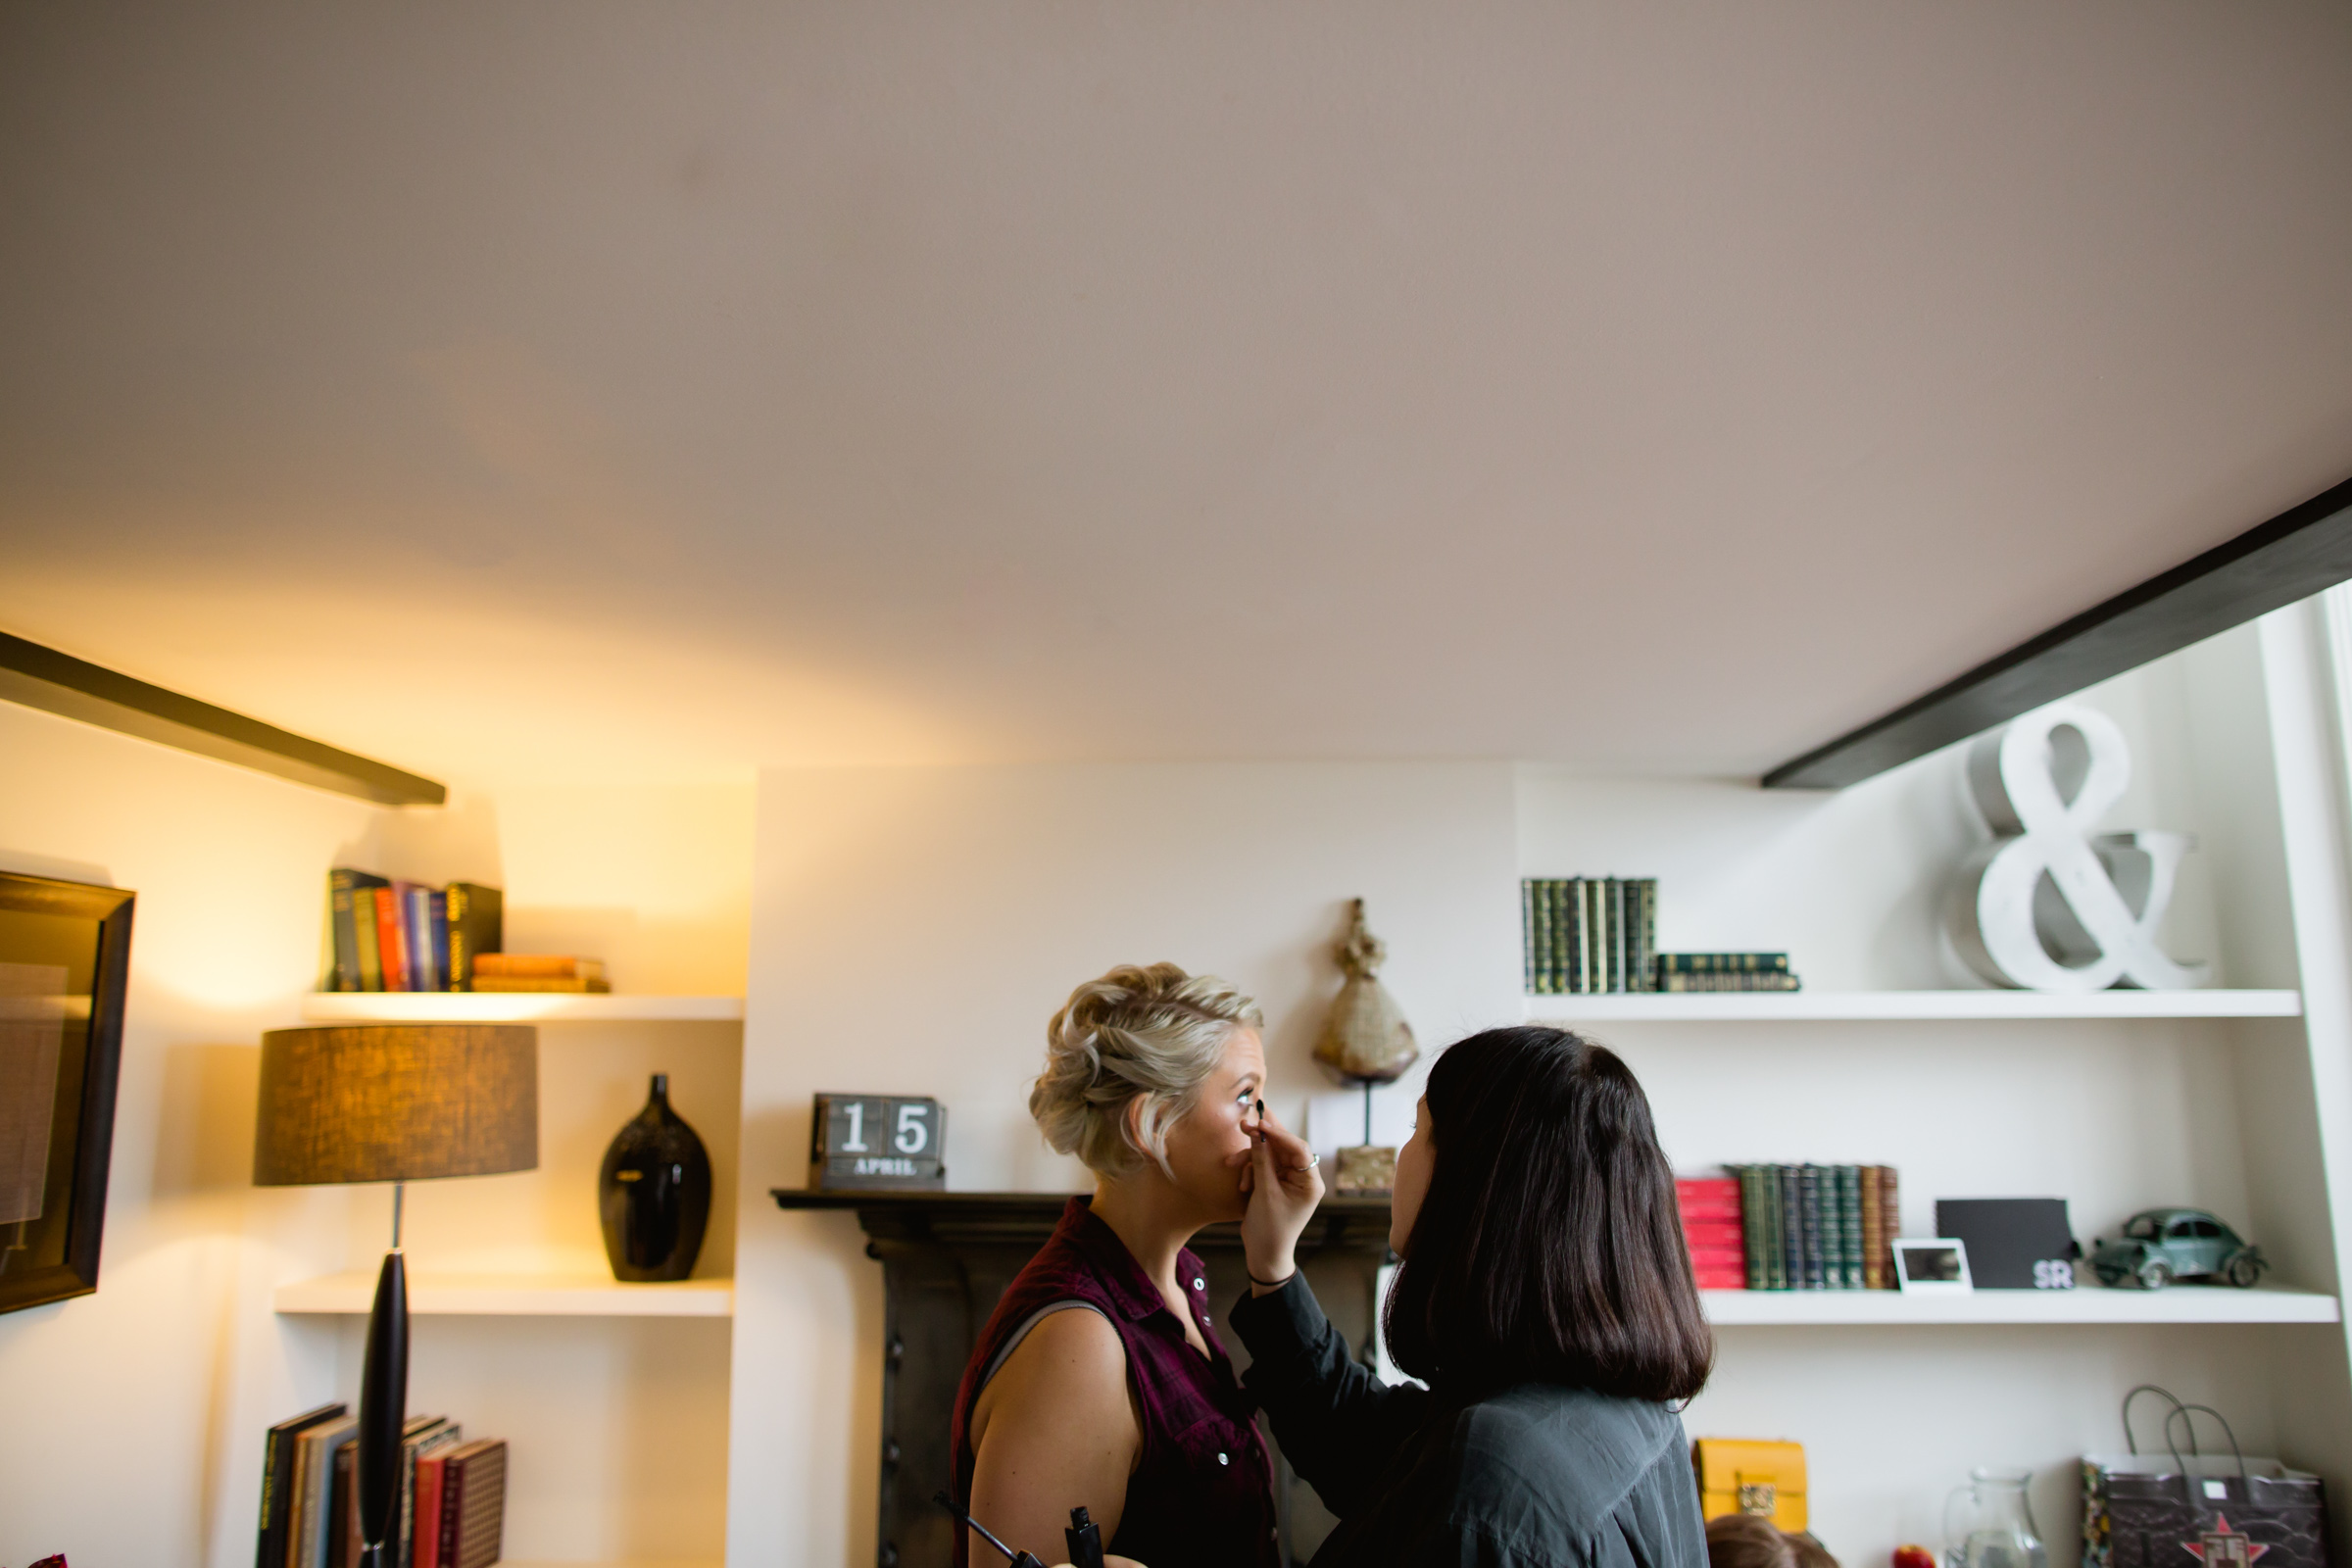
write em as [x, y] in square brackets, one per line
[425, 1531]
[1698, 1196]
[391, 949]
[1713, 1232]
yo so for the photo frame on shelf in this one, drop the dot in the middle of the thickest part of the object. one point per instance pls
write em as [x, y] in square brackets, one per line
[65, 964]
[1932, 1265]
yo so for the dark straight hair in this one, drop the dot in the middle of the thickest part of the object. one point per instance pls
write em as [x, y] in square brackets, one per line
[1549, 1247]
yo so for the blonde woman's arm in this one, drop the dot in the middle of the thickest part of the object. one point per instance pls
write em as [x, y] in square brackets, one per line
[1056, 1429]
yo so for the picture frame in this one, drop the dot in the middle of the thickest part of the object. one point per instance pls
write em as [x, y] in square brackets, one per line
[65, 968]
[1932, 1265]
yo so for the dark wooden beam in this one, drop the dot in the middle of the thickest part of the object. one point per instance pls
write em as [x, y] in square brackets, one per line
[59, 683]
[2292, 557]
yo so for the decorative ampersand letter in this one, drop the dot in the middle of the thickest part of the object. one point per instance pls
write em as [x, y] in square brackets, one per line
[2047, 906]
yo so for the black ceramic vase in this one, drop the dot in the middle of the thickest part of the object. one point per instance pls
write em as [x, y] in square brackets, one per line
[655, 1191]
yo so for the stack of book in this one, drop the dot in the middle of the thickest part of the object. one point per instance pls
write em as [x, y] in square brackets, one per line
[1725, 971]
[1819, 1227]
[405, 936]
[538, 971]
[1712, 1229]
[451, 1512]
[1586, 934]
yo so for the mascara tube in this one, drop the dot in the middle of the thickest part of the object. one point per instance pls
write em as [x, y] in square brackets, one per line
[1085, 1538]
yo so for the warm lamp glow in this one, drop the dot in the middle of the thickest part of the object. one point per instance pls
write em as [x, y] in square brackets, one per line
[394, 1103]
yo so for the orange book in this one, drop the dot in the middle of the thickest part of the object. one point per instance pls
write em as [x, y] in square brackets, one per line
[537, 966]
[392, 950]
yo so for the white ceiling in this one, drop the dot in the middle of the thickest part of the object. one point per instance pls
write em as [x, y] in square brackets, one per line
[633, 390]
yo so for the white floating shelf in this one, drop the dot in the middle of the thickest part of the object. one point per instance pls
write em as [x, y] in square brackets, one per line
[1816, 1007]
[2178, 1303]
[513, 1006]
[514, 1295]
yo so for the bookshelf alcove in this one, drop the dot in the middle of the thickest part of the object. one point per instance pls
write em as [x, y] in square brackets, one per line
[613, 1397]
[2232, 1098]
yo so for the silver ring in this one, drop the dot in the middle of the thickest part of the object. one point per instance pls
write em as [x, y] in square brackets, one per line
[1312, 1161]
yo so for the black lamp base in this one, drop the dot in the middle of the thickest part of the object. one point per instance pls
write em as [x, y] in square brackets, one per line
[383, 1412]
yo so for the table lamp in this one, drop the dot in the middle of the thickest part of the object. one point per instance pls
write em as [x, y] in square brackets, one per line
[393, 1102]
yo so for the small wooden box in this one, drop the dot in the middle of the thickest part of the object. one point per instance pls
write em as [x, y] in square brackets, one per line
[877, 1143]
[1739, 1476]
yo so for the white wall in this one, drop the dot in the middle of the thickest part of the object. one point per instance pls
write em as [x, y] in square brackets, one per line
[912, 930]
[125, 1409]
[1849, 883]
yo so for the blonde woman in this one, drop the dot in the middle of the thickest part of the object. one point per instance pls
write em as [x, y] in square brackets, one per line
[1098, 1382]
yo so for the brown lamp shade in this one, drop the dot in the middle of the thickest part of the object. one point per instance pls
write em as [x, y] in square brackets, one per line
[396, 1102]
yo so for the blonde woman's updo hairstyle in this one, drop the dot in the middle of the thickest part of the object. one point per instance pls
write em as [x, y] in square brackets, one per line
[1148, 1032]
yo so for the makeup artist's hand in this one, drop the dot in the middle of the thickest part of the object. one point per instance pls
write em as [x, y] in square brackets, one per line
[1284, 1189]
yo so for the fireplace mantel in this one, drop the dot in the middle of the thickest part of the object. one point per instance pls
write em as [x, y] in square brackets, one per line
[948, 1257]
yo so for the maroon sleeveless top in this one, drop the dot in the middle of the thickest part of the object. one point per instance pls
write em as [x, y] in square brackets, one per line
[1202, 1490]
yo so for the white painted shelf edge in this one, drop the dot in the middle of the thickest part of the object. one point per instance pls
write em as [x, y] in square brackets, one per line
[513, 1006]
[2180, 1303]
[512, 1296]
[1803, 1006]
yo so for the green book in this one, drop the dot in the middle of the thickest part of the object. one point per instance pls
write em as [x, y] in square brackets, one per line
[1752, 1237]
[1775, 1232]
[1563, 968]
[1849, 1212]
[1612, 903]
[1832, 1230]
[363, 933]
[1595, 934]
[1568, 932]
[1642, 966]
[1722, 962]
[1527, 936]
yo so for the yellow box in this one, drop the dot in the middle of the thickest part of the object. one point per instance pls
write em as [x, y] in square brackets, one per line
[1737, 1475]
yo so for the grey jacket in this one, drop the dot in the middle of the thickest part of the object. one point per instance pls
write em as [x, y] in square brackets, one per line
[1537, 1476]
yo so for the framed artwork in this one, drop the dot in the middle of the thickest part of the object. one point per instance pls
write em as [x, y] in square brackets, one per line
[1933, 1265]
[65, 960]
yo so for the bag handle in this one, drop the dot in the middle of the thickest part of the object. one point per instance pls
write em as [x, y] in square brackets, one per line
[2166, 1395]
[2181, 1412]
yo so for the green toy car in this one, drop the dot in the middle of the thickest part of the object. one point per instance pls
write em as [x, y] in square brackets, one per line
[2162, 1244]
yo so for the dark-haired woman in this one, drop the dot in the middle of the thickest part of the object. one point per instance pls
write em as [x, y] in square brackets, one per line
[1544, 1297]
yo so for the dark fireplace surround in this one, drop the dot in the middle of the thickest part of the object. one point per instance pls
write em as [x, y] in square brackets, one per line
[946, 1259]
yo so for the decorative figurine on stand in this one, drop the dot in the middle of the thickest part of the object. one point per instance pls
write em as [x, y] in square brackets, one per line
[655, 1193]
[2048, 905]
[1365, 1041]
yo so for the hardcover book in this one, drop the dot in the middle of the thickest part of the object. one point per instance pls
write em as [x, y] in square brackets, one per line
[1792, 1227]
[1753, 1232]
[390, 945]
[474, 1502]
[345, 888]
[1722, 963]
[1874, 1232]
[1527, 939]
[308, 1539]
[1890, 1223]
[278, 1481]
[418, 1435]
[476, 925]
[537, 966]
[1816, 1275]
[416, 931]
